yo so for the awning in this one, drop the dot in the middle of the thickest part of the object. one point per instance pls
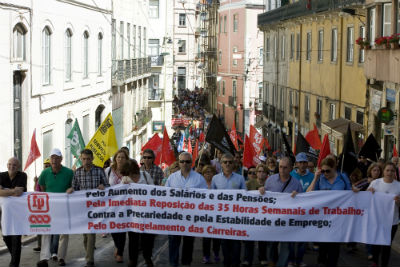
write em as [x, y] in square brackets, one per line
[338, 127]
[260, 124]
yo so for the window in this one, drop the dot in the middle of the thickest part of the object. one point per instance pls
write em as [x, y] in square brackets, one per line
[291, 46]
[281, 97]
[128, 38]
[182, 46]
[114, 40]
[153, 9]
[224, 24]
[85, 128]
[100, 54]
[19, 42]
[47, 142]
[134, 41]
[154, 45]
[332, 112]
[371, 33]
[68, 55]
[267, 49]
[234, 88]
[275, 47]
[260, 92]
[347, 113]
[235, 22]
[219, 88]
[85, 54]
[223, 87]
[181, 77]
[46, 55]
[139, 42]
[121, 40]
[220, 24]
[290, 102]
[219, 57]
[144, 42]
[350, 44]
[266, 96]
[182, 20]
[234, 61]
[307, 108]
[318, 113]
[308, 52]
[361, 52]
[387, 19]
[334, 45]
[261, 56]
[320, 45]
[283, 46]
[298, 42]
[360, 117]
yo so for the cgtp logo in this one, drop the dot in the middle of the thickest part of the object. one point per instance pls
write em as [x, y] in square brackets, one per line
[38, 203]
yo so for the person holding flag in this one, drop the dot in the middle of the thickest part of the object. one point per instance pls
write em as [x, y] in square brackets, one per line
[13, 183]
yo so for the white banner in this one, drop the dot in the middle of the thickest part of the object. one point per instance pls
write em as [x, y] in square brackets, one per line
[323, 216]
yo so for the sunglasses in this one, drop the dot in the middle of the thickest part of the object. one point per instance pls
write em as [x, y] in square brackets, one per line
[147, 157]
[325, 171]
[227, 162]
[185, 161]
[252, 173]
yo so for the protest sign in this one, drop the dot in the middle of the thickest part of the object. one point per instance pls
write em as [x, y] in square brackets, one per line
[334, 216]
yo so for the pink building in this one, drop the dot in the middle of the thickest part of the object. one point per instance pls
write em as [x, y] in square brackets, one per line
[240, 54]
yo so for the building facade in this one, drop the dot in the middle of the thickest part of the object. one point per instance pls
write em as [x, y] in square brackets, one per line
[56, 68]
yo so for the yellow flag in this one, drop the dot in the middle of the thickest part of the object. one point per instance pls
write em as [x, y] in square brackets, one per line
[103, 143]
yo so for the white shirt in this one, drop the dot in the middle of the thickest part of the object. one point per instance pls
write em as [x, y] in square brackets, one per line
[379, 185]
[194, 180]
[145, 178]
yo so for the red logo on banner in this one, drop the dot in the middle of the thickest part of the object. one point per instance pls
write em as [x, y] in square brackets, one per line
[38, 203]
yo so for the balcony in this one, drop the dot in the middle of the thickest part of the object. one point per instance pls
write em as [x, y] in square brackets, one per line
[156, 94]
[141, 118]
[157, 61]
[382, 65]
[303, 8]
[123, 70]
[232, 101]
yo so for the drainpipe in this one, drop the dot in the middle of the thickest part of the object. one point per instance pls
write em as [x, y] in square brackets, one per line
[340, 74]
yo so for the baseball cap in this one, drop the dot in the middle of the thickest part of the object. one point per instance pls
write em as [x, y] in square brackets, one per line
[262, 158]
[55, 151]
[301, 157]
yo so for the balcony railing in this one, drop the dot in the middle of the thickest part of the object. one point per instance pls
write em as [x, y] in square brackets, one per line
[157, 61]
[141, 118]
[232, 101]
[303, 8]
[156, 94]
[126, 69]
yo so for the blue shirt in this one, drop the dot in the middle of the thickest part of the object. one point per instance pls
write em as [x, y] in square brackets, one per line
[194, 180]
[235, 181]
[341, 182]
[305, 180]
[275, 184]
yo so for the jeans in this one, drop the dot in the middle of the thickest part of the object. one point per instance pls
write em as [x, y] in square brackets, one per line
[249, 251]
[383, 251]
[54, 244]
[279, 253]
[207, 246]
[187, 249]
[296, 252]
[119, 242]
[146, 242]
[328, 254]
[231, 251]
[13, 243]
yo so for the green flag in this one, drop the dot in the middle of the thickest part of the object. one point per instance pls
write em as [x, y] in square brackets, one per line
[77, 142]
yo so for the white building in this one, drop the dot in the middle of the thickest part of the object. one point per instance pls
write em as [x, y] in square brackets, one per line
[130, 74]
[160, 49]
[56, 67]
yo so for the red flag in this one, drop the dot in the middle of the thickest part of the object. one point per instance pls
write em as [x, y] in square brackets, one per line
[190, 149]
[155, 144]
[34, 153]
[233, 136]
[184, 146]
[249, 156]
[202, 138]
[167, 152]
[256, 139]
[313, 139]
[325, 150]
[195, 152]
[395, 154]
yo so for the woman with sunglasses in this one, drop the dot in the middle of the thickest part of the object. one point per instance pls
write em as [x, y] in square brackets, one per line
[389, 185]
[327, 178]
[272, 166]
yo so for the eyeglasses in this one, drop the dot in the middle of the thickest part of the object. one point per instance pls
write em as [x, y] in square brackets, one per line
[325, 171]
[185, 161]
[252, 173]
[147, 157]
[227, 162]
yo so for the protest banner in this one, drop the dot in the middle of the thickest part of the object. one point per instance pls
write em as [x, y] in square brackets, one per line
[334, 216]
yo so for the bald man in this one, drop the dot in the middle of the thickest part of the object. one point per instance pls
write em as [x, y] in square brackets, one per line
[13, 183]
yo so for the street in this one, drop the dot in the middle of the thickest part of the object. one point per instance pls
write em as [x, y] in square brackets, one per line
[105, 247]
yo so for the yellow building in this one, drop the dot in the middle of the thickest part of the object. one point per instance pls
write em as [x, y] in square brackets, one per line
[314, 48]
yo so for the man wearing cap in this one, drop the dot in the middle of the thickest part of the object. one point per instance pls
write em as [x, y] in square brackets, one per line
[56, 179]
[13, 183]
[301, 173]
